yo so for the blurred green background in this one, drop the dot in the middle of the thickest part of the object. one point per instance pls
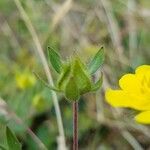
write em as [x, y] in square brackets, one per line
[122, 27]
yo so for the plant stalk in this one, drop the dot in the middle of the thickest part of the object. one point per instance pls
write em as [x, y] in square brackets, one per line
[75, 125]
[40, 52]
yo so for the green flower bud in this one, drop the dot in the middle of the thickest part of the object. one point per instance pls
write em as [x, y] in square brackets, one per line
[75, 78]
[81, 76]
[64, 76]
[72, 90]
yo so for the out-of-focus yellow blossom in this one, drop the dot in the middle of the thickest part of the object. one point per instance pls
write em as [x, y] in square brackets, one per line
[134, 93]
[25, 80]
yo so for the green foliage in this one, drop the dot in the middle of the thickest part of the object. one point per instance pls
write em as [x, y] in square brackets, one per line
[64, 75]
[81, 76]
[98, 84]
[55, 59]
[44, 83]
[97, 61]
[75, 78]
[12, 141]
[71, 90]
[80, 29]
[2, 147]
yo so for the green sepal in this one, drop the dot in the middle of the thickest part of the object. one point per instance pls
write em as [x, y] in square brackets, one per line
[2, 147]
[81, 76]
[12, 141]
[71, 90]
[45, 84]
[55, 59]
[97, 61]
[64, 76]
[97, 85]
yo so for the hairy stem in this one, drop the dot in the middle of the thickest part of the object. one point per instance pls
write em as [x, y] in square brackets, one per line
[75, 125]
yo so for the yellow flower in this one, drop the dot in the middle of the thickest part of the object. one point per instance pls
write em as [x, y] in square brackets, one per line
[25, 80]
[134, 93]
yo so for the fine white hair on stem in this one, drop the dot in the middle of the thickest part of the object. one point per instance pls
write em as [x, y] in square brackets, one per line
[40, 52]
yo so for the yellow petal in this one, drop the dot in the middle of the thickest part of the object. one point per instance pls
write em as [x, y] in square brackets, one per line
[143, 76]
[120, 98]
[142, 69]
[143, 73]
[130, 83]
[143, 117]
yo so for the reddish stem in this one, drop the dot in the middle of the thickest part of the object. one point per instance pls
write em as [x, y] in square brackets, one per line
[75, 125]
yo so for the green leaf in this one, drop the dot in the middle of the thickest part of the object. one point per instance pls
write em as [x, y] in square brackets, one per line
[12, 141]
[97, 61]
[45, 84]
[55, 59]
[64, 76]
[2, 147]
[81, 76]
[71, 90]
[97, 85]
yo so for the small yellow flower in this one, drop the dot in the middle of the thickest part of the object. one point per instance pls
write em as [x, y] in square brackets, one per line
[25, 80]
[134, 93]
